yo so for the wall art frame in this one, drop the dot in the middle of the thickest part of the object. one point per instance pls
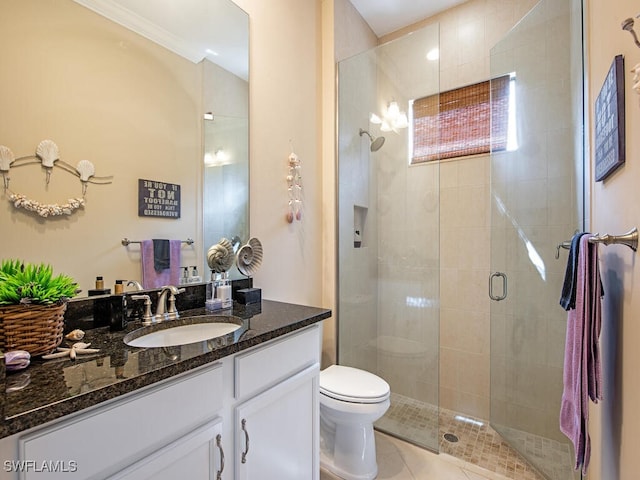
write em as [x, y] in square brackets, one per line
[610, 122]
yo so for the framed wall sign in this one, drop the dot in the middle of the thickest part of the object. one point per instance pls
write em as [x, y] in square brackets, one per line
[158, 199]
[609, 122]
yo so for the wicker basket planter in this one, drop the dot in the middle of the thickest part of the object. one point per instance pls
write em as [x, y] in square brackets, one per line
[34, 328]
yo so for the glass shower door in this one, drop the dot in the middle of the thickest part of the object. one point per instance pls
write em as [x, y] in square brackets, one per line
[388, 233]
[537, 202]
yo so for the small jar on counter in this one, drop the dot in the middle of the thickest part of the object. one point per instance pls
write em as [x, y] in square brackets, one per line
[99, 290]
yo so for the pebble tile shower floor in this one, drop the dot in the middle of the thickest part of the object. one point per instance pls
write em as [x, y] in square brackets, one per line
[477, 442]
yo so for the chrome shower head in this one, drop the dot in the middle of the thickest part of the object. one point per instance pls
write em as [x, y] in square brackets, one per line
[376, 143]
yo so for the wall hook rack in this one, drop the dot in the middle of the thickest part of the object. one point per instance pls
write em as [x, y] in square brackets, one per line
[48, 155]
[628, 26]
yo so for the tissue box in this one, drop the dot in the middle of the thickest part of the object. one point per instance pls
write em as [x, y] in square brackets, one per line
[247, 296]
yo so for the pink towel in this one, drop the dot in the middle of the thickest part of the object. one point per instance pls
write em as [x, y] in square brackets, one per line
[170, 276]
[582, 371]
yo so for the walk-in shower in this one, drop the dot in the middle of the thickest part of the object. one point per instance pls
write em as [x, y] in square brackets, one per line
[417, 243]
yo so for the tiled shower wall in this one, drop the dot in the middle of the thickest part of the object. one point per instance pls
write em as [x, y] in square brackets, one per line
[464, 269]
[408, 229]
[358, 269]
[467, 34]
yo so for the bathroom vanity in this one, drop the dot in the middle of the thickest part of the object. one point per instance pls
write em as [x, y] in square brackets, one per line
[242, 407]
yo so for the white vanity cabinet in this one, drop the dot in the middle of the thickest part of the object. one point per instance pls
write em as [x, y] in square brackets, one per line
[260, 405]
[115, 439]
[277, 431]
[277, 415]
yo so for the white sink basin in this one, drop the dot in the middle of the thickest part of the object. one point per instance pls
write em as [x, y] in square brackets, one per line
[182, 334]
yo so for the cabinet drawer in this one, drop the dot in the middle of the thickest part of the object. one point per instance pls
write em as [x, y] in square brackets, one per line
[99, 442]
[266, 365]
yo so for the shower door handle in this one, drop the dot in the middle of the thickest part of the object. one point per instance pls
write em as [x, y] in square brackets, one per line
[497, 298]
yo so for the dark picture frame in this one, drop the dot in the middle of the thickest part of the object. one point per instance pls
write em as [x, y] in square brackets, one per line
[158, 199]
[610, 122]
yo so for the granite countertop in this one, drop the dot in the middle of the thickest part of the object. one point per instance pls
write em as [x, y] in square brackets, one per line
[49, 389]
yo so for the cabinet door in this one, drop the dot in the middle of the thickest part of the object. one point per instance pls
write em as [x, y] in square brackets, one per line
[277, 431]
[198, 455]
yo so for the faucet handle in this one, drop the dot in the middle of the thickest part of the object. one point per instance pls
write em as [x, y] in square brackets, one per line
[146, 316]
[172, 312]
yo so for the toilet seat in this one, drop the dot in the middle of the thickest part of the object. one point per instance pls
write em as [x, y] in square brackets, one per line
[349, 384]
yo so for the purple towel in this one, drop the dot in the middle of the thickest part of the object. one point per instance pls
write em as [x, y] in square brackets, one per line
[582, 374]
[169, 276]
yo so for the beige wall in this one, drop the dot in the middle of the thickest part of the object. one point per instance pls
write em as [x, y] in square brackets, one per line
[127, 105]
[285, 113]
[614, 424]
[352, 34]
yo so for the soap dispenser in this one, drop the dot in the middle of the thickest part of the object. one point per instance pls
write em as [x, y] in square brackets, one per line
[212, 302]
[195, 278]
[223, 291]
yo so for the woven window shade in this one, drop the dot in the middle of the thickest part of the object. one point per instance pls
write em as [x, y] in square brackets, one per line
[459, 122]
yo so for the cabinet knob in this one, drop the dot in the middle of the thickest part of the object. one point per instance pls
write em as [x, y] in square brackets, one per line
[246, 440]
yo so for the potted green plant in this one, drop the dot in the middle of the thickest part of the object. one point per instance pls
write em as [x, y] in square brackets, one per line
[32, 305]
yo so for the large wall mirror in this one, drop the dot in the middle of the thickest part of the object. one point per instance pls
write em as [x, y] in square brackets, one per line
[144, 90]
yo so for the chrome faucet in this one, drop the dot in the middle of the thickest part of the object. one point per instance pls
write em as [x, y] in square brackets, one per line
[166, 309]
[135, 284]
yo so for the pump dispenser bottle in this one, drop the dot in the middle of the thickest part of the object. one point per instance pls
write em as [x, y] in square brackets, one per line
[223, 291]
[212, 302]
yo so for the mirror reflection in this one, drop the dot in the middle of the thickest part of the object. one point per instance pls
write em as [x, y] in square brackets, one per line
[133, 105]
[226, 170]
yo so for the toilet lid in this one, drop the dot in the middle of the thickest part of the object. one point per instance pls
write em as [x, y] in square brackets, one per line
[352, 385]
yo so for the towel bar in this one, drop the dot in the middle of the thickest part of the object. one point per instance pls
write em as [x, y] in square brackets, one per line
[630, 239]
[126, 241]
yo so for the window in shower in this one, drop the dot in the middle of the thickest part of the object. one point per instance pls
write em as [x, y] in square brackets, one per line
[470, 120]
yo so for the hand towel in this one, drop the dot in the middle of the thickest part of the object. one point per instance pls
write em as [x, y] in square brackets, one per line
[161, 254]
[168, 276]
[582, 371]
[568, 297]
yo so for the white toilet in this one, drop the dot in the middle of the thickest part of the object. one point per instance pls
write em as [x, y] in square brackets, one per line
[350, 401]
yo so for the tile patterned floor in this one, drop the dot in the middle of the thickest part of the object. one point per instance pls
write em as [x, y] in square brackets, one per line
[399, 460]
[553, 458]
[478, 443]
